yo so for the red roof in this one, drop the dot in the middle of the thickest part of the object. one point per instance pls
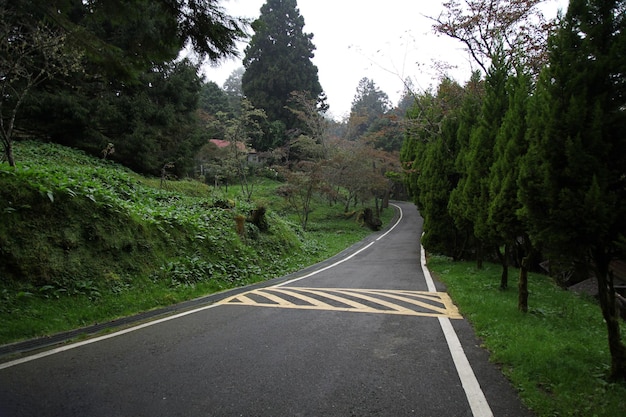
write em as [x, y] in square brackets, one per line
[220, 143]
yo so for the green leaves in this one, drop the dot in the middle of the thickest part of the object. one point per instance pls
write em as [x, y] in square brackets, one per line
[278, 62]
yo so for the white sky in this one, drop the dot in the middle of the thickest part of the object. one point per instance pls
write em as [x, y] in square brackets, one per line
[385, 41]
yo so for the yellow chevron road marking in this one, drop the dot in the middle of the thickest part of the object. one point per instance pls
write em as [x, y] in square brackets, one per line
[400, 302]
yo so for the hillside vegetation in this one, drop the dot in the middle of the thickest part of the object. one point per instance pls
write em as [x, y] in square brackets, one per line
[85, 240]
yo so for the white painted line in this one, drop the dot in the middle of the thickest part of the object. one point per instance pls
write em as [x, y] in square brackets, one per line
[473, 392]
[176, 316]
[347, 257]
[429, 279]
[395, 224]
[100, 338]
[317, 271]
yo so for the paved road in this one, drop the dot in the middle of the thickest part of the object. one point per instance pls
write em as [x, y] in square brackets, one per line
[356, 336]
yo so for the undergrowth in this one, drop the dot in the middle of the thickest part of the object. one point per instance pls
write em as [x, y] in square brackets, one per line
[84, 240]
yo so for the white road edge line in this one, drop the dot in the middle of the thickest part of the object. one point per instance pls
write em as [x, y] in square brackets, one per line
[100, 338]
[473, 392]
[176, 316]
[339, 262]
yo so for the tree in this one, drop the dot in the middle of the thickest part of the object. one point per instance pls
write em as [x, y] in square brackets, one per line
[510, 147]
[307, 155]
[369, 104]
[469, 113]
[572, 181]
[310, 116]
[278, 62]
[354, 172]
[213, 99]
[239, 132]
[438, 177]
[232, 88]
[121, 46]
[32, 50]
[304, 177]
[472, 199]
[488, 27]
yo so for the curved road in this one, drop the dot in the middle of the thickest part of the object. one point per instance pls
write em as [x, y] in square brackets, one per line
[363, 334]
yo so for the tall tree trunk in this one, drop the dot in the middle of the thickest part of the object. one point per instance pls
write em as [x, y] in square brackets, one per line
[527, 253]
[8, 151]
[504, 261]
[522, 285]
[606, 294]
[479, 255]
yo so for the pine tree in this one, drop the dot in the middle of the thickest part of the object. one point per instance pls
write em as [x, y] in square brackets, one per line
[278, 62]
[572, 183]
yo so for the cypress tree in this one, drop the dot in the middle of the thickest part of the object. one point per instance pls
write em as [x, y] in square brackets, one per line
[572, 183]
[473, 195]
[468, 119]
[422, 126]
[509, 148]
[278, 62]
[438, 179]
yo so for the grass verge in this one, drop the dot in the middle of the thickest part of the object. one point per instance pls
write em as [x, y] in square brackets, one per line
[556, 355]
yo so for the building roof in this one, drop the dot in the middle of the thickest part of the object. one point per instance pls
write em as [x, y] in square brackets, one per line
[220, 143]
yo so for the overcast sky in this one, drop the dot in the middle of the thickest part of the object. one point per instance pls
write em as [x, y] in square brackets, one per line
[385, 41]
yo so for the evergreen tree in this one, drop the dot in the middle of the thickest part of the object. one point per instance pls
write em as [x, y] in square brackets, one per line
[470, 203]
[213, 99]
[369, 105]
[438, 175]
[572, 183]
[504, 205]
[128, 52]
[468, 115]
[232, 88]
[278, 62]
[422, 126]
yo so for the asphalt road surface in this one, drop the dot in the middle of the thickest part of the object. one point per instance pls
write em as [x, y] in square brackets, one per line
[363, 334]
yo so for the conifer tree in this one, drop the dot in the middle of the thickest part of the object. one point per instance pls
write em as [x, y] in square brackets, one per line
[468, 118]
[369, 105]
[509, 147]
[278, 62]
[422, 126]
[472, 197]
[437, 177]
[572, 183]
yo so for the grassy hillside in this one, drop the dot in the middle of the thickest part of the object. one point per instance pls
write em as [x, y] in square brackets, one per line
[84, 240]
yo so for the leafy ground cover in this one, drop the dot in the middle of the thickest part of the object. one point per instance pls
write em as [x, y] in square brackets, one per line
[83, 240]
[556, 355]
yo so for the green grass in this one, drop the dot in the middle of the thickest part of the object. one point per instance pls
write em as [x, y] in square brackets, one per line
[556, 355]
[84, 240]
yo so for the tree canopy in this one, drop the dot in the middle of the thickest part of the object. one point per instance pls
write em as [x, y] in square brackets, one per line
[539, 159]
[128, 88]
[369, 105]
[278, 62]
